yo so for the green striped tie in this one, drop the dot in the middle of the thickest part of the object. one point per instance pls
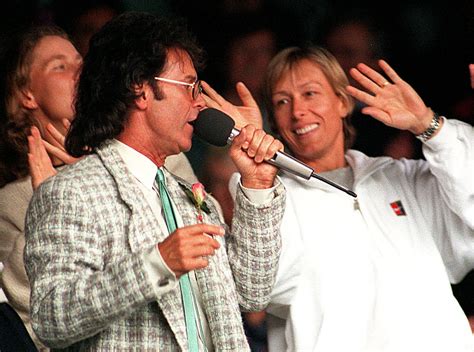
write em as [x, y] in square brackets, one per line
[184, 282]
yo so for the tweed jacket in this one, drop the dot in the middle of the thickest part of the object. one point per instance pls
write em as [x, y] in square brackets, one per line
[14, 199]
[86, 231]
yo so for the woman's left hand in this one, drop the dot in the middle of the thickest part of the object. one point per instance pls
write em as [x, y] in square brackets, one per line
[391, 101]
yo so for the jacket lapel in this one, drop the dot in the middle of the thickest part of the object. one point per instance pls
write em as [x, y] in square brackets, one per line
[215, 282]
[144, 232]
[144, 229]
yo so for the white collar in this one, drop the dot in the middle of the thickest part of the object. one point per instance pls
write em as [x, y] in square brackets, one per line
[138, 164]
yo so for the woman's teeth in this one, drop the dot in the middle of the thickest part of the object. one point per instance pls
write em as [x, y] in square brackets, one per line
[306, 129]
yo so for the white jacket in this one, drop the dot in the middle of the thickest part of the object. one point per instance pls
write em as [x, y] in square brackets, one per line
[355, 276]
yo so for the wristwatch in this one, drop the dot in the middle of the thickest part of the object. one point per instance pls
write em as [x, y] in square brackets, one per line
[432, 128]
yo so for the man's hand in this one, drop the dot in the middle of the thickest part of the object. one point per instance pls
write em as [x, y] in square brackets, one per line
[249, 150]
[186, 248]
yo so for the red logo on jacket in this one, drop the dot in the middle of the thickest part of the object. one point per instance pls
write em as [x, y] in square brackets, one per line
[398, 208]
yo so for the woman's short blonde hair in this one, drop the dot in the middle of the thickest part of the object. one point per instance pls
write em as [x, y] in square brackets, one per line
[288, 58]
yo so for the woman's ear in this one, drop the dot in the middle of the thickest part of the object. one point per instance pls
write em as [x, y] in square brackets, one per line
[28, 100]
[343, 106]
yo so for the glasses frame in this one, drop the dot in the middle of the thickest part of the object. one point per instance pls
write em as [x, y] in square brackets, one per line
[196, 86]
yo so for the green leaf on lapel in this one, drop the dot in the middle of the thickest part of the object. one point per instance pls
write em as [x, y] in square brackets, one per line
[190, 195]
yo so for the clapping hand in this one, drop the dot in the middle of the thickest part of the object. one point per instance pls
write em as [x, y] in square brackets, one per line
[41, 153]
[390, 100]
[55, 147]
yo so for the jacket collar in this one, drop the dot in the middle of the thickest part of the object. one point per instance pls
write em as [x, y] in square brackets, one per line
[362, 165]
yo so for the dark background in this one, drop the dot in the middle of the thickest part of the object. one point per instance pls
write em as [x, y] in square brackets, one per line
[429, 44]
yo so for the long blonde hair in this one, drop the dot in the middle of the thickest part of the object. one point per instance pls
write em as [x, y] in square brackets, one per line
[15, 120]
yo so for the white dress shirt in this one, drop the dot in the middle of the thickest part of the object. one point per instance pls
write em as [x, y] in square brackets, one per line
[164, 280]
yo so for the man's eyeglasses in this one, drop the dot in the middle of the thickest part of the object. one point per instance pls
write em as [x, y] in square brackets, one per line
[196, 86]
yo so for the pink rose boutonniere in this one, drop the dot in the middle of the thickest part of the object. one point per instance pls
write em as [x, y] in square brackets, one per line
[197, 195]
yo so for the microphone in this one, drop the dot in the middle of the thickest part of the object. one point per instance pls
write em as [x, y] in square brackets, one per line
[217, 128]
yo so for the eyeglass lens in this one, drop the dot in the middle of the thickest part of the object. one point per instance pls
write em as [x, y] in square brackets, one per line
[197, 89]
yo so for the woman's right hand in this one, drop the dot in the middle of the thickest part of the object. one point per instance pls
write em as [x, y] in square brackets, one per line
[246, 114]
[55, 146]
[39, 162]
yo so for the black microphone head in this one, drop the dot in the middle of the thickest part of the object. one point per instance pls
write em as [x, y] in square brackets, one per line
[213, 126]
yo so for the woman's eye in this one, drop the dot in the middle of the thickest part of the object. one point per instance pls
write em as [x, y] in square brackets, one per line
[281, 102]
[310, 93]
[59, 67]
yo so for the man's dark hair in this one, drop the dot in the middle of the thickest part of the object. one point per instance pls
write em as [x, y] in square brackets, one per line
[127, 52]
